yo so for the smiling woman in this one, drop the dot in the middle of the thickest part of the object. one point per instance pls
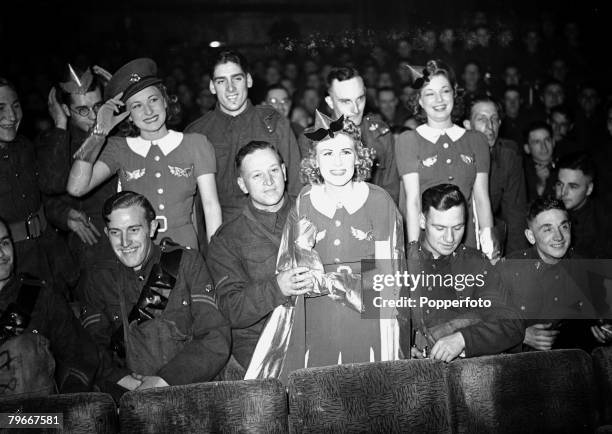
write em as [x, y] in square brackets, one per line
[442, 152]
[164, 165]
[347, 220]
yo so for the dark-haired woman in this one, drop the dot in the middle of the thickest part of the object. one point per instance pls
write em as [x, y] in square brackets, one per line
[164, 165]
[439, 151]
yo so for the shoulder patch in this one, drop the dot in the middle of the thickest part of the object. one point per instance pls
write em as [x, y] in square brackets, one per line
[375, 124]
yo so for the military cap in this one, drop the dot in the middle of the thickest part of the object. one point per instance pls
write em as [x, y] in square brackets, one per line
[132, 77]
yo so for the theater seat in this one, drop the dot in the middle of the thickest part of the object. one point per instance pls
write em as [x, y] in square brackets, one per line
[83, 412]
[227, 406]
[399, 396]
[538, 392]
[602, 363]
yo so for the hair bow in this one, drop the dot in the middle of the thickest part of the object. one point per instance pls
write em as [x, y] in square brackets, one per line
[325, 127]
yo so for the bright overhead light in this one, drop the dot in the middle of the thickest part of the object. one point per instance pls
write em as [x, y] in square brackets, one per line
[214, 44]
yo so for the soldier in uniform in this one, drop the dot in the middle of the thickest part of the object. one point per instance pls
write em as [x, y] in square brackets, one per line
[540, 167]
[506, 178]
[43, 348]
[20, 196]
[242, 254]
[480, 323]
[552, 290]
[347, 97]
[235, 122]
[151, 311]
[73, 106]
[591, 229]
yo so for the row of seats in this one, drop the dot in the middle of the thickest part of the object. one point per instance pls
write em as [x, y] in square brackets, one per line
[563, 391]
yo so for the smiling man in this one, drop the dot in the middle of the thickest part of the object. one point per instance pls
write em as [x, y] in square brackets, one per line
[234, 122]
[242, 254]
[555, 297]
[163, 297]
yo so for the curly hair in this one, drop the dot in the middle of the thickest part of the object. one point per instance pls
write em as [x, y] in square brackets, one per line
[432, 69]
[127, 128]
[310, 173]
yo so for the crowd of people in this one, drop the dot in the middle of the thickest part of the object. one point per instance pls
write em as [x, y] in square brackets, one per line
[161, 227]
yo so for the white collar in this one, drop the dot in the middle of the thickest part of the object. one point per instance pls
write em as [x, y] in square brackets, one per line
[166, 144]
[352, 203]
[433, 134]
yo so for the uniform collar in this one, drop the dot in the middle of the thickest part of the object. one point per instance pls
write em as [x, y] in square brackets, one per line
[245, 112]
[153, 258]
[442, 259]
[270, 219]
[353, 202]
[166, 144]
[433, 134]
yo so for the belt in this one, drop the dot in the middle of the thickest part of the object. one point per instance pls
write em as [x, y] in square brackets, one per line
[30, 228]
[166, 224]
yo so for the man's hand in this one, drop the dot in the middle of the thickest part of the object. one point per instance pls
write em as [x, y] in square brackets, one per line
[131, 382]
[448, 348]
[80, 225]
[55, 110]
[106, 119]
[295, 281]
[415, 353]
[151, 382]
[602, 335]
[540, 337]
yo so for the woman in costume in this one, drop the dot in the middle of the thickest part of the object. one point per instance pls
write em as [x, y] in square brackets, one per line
[439, 151]
[164, 165]
[338, 221]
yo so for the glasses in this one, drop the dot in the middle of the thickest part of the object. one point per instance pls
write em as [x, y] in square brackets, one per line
[279, 101]
[84, 111]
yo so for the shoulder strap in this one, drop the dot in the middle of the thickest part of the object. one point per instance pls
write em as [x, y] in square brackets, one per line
[170, 262]
[27, 297]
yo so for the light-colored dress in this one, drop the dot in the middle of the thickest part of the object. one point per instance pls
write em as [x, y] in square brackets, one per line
[165, 172]
[453, 156]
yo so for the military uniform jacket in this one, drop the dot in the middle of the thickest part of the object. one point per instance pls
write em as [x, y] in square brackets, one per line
[19, 184]
[375, 134]
[191, 306]
[75, 355]
[545, 293]
[229, 133]
[500, 328]
[553, 294]
[508, 192]
[242, 260]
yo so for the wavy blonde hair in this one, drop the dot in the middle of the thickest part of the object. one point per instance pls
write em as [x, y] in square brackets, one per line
[310, 173]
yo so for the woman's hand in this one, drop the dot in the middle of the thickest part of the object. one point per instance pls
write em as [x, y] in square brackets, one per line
[106, 119]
